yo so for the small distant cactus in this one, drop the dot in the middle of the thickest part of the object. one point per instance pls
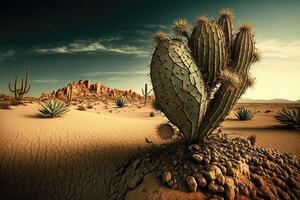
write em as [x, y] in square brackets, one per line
[197, 83]
[53, 108]
[244, 114]
[20, 91]
[290, 117]
[146, 93]
[120, 102]
[69, 93]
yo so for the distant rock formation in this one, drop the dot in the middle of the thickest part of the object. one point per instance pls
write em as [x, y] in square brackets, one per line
[85, 88]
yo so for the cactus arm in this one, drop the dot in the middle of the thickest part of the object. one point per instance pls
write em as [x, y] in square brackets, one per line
[143, 92]
[225, 22]
[150, 91]
[207, 44]
[10, 89]
[28, 88]
[226, 97]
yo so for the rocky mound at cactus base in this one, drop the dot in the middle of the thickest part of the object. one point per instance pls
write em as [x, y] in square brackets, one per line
[84, 88]
[222, 168]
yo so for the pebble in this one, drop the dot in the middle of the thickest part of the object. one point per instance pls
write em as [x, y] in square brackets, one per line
[192, 183]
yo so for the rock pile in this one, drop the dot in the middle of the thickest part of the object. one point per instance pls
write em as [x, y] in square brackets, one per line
[84, 88]
[222, 168]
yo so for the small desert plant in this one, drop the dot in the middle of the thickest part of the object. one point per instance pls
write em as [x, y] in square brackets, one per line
[244, 114]
[120, 102]
[90, 107]
[146, 93]
[53, 108]
[165, 131]
[252, 139]
[5, 105]
[290, 117]
[151, 114]
[155, 105]
[81, 107]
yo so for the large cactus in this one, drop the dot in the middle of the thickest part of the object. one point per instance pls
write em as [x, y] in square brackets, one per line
[20, 91]
[197, 84]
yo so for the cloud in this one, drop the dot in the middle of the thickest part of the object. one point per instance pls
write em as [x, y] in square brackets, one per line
[7, 54]
[156, 26]
[276, 49]
[48, 81]
[96, 47]
[116, 73]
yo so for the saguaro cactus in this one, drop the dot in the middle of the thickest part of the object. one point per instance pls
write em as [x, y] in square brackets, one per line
[197, 84]
[146, 93]
[23, 89]
[69, 93]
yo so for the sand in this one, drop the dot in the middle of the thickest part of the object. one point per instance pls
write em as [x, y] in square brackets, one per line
[73, 156]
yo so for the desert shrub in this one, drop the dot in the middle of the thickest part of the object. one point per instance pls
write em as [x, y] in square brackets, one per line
[151, 114]
[120, 102]
[244, 114]
[155, 105]
[252, 139]
[165, 131]
[290, 117]
[53, 108]
[81, 107]
[5, 105]
[90, 107]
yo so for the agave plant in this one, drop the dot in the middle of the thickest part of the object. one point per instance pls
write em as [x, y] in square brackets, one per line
[244, 114]
[290, 117]
[53, 108]
[120, 102]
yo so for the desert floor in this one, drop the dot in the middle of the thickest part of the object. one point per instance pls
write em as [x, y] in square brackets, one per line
[71, 157]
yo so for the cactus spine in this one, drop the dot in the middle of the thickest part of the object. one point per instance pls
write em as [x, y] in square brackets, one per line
[197, 88]
[23, 89]
[146, 93]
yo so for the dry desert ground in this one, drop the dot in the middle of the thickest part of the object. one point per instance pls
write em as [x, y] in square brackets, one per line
[74, 156]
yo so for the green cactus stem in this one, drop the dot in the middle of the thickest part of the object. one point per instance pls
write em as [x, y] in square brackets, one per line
[178, 86]
[207, 44]
[23, 89]
[146, 93]
[225, 22]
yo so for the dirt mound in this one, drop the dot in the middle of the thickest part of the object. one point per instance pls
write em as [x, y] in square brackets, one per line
[222, 168]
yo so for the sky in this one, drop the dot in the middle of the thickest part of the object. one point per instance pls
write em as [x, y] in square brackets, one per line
[111, 41]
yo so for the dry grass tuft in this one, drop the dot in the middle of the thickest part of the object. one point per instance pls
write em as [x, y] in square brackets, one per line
[81, 107]
[5, 105]
[250, 81]
[252, 139]
[165, 131]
